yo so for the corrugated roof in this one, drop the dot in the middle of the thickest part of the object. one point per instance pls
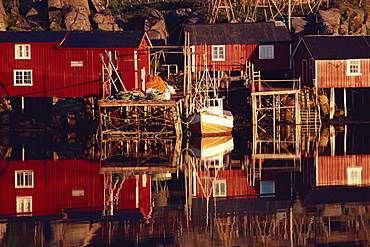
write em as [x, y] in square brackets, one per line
[32, 37]
[103, 39]
[238, 33]
[325, 47]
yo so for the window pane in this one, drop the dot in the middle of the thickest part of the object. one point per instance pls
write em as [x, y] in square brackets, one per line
[26, 51]
[221, 53]
[27, 77]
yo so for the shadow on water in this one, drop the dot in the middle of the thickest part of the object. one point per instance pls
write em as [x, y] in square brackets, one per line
[282, 186]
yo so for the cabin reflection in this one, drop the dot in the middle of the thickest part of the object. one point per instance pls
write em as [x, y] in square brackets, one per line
[70, 190]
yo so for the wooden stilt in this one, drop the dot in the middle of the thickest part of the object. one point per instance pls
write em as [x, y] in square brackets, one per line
[332, 140]
[345, 139]
[345, 102]
[332, 103]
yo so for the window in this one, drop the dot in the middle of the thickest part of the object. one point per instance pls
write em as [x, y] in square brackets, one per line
[78, 192]
[267, 188]
[353, 67]
[219, 188]
[266, 52]
[23, 179]
[22, 77]
[24, 204]
[218, 53]
[22, 51]
[354, 175]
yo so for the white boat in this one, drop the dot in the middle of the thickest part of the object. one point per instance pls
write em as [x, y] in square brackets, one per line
[212, 119]
[209, 117]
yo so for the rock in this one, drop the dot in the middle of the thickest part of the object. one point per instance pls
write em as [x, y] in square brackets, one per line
[76, 18]
[100, 18]
[299, 26]
[196, 17]
[3, 16]
[155, 26]
[328, 21]
[104, 20]
[59, 4]
[109, 27]
[14, 11]
[32, 12]
[367, 22]
[356, 23]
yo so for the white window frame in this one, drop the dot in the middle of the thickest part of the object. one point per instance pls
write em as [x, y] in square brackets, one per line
[24, 204]
[266, 52]
[353, 67]
[22, 51]
[218, 53]
[24, 179]
[219, 188]
[22, 77]
[354, 175]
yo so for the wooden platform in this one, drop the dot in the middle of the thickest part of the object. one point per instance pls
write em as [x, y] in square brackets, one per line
[118, 103]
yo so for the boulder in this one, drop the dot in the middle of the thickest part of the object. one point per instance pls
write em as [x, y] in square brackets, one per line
[299, 26]
[59, 4]
[100, 18]
[109, 27]
[155, 26]
[357, 22]
[328, 21]
[32, 12]
[76, 18]
[3, 16]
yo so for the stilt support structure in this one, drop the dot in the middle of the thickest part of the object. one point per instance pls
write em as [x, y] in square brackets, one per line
[284, 123]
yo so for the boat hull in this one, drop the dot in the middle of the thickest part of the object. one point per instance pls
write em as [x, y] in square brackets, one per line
[208, 124]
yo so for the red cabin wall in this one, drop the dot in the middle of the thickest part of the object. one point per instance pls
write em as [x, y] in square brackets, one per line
[238, 54]
[53, 75]
[332, 74]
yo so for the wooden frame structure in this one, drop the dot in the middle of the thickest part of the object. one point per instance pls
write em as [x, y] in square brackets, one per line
[284, 123]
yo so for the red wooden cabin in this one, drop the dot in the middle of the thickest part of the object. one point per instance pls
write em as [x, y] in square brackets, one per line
[325, 61]
[226, 47]
[335, 64]
[69, 64]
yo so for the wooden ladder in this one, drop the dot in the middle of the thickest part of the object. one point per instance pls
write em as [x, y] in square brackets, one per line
[309, 112]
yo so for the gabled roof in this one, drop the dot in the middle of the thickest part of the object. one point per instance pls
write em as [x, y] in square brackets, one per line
[325, 47]
[238, 33]
[32, 37]
[121, 39]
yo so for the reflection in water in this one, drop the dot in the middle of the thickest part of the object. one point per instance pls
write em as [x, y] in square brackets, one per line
[292, 188]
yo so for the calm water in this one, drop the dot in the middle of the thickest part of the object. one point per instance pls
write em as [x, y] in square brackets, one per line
[282, 187]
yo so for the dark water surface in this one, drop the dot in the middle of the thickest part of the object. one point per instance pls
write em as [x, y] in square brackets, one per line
[289, 188]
